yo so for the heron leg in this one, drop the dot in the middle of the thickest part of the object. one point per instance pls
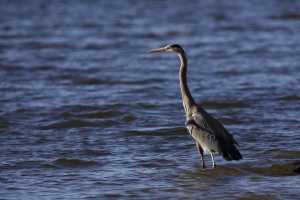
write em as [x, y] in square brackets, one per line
[200, 150]
[213, 160]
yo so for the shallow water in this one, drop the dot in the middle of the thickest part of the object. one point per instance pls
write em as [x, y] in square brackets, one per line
[87, 113]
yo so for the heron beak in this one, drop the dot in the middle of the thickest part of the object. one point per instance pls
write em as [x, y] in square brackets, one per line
[163, 49]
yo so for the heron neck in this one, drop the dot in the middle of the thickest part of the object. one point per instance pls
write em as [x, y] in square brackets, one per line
[187, 98]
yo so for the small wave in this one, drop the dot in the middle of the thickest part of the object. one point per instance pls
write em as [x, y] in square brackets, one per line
[78, 107]
[3, 123]
[157, 163]
[77, 123]
[235, 72]
[46, 45]
[284, 169]
[78, 116]
[43, 67]
[25, 164]
[219, 171]
[290, 98]
[129, 118]
[224, 104]
[95, 152]
[235, 28]
[105, 111]
[255, 196]
[157, 132]
[78, 78]
[97, 81]
[96, 114]
[11, 67]
[88, 24]
[287, 17]
[229, 121]
[67, 162]
[147, 105]
[288, 155]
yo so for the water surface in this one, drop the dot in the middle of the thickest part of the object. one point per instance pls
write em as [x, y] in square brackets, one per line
[87, 113]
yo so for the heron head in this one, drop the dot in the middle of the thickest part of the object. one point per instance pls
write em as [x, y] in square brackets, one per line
[169, 48]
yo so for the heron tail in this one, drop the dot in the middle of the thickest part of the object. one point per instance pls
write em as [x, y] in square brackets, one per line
[231, 153]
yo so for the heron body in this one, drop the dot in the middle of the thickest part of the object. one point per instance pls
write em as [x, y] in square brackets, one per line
[208, 133]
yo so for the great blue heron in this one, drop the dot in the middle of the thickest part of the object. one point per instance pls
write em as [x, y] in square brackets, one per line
[209, 134]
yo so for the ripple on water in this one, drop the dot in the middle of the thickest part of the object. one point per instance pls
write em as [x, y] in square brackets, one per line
[278, 169]
[290, 98]
[255, 196]
[288, 155]
[3, 123]
[219, 171]
[79, 123]
[287, 17]
[79, 116]
[94, 114]
[95, 152]
[26, 164]
[74, 163]
[82, 79]
[224, 104]
[157, 163]
[40, 45]
[162, 131]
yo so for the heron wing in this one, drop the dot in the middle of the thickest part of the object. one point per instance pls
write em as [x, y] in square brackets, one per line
[203, 137]
[225, 140]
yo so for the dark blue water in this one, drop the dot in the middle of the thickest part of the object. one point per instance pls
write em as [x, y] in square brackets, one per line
[87, 113]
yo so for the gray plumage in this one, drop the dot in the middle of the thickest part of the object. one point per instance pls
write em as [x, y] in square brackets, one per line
[209, 134]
